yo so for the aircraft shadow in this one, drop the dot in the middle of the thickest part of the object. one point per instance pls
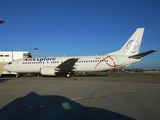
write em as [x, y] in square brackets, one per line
[53, 107]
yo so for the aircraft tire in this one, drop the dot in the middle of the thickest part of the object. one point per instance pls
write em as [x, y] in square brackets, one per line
[68, 75]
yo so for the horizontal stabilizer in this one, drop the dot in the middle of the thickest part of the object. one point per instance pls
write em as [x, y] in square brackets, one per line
[139, 56]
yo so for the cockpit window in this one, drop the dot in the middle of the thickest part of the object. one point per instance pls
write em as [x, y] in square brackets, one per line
[9, 63]
[27, 55]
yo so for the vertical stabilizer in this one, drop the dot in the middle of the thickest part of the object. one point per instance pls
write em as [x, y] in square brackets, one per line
[132, 46]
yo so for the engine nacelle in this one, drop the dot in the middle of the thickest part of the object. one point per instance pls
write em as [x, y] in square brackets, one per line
[48, 71]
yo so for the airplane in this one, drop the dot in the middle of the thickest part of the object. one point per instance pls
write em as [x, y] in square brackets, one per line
[127, 55]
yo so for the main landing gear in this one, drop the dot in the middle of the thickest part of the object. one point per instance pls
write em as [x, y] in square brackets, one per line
[69, 74]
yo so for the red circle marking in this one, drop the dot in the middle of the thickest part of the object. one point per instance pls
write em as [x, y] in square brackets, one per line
[106, 62]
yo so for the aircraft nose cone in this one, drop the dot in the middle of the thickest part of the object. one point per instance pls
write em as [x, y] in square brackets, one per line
[6, 67]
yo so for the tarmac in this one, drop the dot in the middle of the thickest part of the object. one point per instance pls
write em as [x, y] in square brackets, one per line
[101, 96]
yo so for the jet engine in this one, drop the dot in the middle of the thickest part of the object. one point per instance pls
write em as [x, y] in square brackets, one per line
[48, 71]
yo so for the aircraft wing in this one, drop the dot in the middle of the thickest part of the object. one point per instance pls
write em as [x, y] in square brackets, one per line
[68, 64]
[138, 56]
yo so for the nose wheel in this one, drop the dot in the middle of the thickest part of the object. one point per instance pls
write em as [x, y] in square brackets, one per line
[17, 75]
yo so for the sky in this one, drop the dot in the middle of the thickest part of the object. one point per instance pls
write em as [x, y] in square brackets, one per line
[80, 27]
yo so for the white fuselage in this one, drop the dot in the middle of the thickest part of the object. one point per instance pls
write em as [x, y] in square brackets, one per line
[84, 63]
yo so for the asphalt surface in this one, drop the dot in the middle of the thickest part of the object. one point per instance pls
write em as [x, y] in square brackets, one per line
[123, 96]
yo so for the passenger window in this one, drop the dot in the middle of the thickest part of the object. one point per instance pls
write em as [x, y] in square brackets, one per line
[6, 55]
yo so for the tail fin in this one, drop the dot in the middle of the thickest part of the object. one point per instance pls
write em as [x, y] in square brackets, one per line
[132, 46]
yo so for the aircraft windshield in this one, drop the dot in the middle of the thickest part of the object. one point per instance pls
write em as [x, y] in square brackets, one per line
[27, 55]
[9, 63]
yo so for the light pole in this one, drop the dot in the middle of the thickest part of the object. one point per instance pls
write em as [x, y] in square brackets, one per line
[35, 49]
[2, 21]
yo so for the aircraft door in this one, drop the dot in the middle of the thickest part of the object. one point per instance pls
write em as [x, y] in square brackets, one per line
[17, 64]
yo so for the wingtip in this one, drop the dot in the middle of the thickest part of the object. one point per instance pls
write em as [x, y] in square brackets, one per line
[154, 50]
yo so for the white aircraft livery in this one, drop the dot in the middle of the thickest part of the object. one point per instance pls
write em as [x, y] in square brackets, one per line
[128, 54]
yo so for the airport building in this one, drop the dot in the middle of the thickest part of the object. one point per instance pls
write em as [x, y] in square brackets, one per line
[8, 56]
